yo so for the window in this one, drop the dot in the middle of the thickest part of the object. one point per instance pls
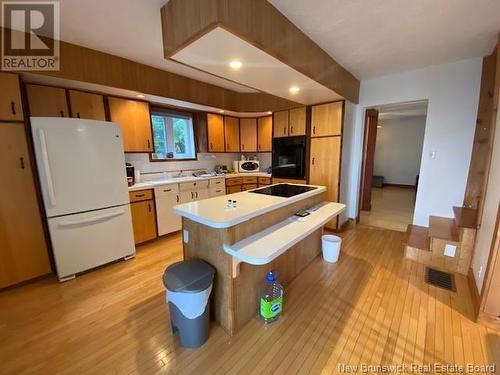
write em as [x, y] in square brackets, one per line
[173, 136]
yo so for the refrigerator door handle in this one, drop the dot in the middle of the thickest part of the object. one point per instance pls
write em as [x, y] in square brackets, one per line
[46, 167]
[89, 220]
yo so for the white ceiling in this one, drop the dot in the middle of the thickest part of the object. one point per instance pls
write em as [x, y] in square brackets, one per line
[126, 28]
[213, 51]
[372, 38]
[368, 37]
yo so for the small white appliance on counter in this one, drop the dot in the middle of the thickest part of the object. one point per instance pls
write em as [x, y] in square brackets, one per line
[84, 187]
[247, 166]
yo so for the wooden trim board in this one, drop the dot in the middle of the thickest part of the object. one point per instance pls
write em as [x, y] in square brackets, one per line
[259, 23]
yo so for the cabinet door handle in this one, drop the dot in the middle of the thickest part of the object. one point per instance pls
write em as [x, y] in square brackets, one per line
[13, 107]
[177, 199]
[61, 113]
[149, 144]
[312, 162]
[259, 146]
[21, 160]
[291, 129]
[284, 130]
[78, 114]
[140, 195]
[314, 129]
[242, 146]
[149, 207]
[167, 190]
[211, 146]
[196, 195]
[192, 195]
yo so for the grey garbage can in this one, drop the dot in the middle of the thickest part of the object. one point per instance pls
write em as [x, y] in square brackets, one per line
[188, 285]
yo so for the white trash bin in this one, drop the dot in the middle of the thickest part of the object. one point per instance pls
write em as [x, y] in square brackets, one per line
[330, 245]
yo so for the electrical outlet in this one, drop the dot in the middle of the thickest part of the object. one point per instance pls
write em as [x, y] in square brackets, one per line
[450, 250]
[185, 236]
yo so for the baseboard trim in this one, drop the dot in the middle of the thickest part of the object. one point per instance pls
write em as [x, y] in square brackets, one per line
[476, 300]
[402, 186]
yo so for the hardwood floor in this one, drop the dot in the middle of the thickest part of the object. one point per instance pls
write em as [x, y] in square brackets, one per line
[372, 307]
[392, 208]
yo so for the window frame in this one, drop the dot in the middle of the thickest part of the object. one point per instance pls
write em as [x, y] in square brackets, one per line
[166, 111]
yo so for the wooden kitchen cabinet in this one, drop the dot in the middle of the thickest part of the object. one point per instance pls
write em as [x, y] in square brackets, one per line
[297, 121]
[134, 118]
[87, 105]
[47, 101]
[215, 125]
[11, 108]
[248, 135]
[326, 119]
[265, 134]
[23, 250]
[232, 134]
[233, 189]
[142, 208]
[280, 124]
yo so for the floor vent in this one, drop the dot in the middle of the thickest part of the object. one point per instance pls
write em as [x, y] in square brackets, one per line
[440, 279]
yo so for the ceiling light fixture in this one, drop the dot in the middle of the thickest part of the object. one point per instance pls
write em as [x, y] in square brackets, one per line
[235, 64]
[294, 89]
[140, 96]
[269, 113]
[221, 111]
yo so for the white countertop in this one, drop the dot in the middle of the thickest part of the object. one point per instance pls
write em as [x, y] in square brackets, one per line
[270, 243]
[176, 180]
[213, 212]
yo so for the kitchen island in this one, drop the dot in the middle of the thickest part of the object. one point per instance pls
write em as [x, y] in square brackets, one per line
[245, 242]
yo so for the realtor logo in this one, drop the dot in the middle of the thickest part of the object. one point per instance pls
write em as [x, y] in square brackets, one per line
[30, 35]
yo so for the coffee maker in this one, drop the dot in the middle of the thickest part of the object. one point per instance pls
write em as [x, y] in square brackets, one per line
[130, 174]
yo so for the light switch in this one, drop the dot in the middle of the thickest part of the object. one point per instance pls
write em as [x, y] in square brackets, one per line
[433, 155]
[450, 250]
[185, 236]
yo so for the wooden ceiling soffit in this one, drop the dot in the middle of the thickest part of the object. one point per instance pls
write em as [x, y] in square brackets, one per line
[260, 24]
[87, 65]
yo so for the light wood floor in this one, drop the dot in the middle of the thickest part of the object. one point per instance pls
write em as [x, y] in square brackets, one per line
[392, 208]
[372, 307]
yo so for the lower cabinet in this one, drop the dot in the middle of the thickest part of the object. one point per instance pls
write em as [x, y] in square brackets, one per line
[142, 207]
[237, 184]
[166, 197]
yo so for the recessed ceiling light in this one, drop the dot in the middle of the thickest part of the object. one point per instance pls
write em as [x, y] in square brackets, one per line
[140, 96]
[294, 89]
[235, 64]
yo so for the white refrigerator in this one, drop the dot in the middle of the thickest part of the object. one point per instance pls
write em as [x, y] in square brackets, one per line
[81, 165]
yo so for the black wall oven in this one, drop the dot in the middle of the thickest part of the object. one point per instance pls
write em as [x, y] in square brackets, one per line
[289, 157]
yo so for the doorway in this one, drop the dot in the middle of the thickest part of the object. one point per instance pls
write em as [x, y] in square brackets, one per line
[392, 153]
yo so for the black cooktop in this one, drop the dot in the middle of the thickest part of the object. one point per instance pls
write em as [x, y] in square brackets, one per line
[283, 190]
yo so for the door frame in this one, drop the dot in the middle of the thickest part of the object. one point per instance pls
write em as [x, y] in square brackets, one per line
[368, 158]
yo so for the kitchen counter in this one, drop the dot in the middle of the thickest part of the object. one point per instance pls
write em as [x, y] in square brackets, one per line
[244, 243]
[176, 180]
[214, 213]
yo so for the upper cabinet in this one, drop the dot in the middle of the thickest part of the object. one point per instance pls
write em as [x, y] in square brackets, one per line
[297, 121]
[11, 108]
[280, 124]
[45, 101]
[290, 123]
[265, 134]
[326, 119]
[87, 105]
[248, 134]
[134, 118]
[215, 125]
[232, 134]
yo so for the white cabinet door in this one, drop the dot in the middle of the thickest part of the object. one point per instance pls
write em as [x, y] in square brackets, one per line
[186, 196]
[200, 194]
[167, 220]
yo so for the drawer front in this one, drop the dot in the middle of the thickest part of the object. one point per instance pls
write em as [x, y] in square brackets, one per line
[249, 180]
[217, 182]
[140, 195]
[234, 181]
[264, 180]
[193, 185]
[216, 191]
[233, 189]
[287, 180]
[248, 187]
[166, 190]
